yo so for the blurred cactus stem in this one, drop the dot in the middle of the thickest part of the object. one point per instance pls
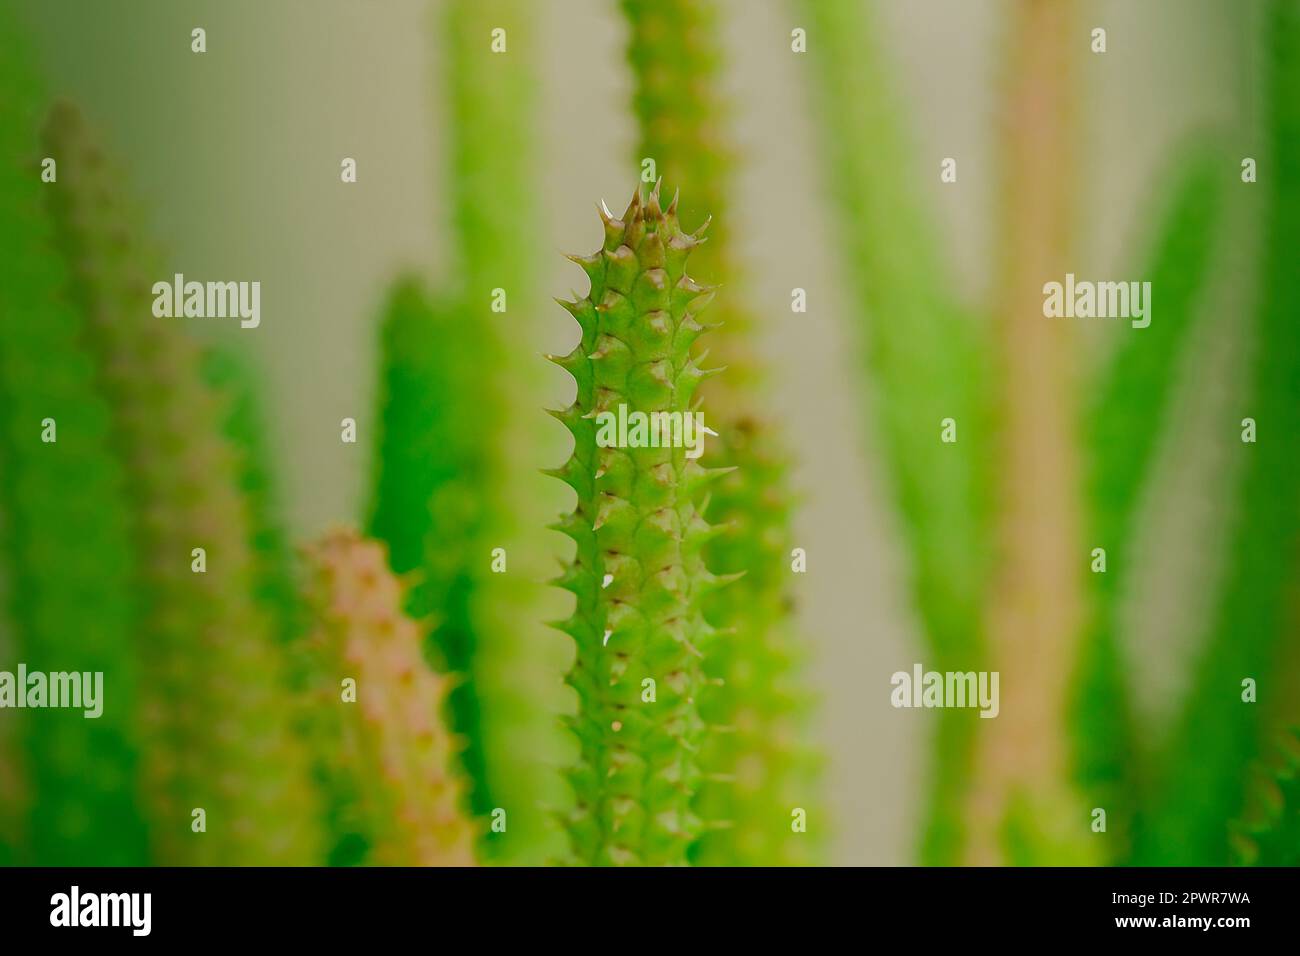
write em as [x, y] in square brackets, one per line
[68, 793]
[388, 709]
[224, 770]
[928, 361]
[757, 767]
[456, 486]
[1202, 783]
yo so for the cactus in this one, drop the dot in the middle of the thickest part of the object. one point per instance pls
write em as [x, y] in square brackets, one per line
[1217, 735]
[275, 584]
[450, 487]
[391, 741]
[431, 465]
[214, 708]
[925, 354]
[638, 574]
[756, 768]
[66, 549]
[1121, 449]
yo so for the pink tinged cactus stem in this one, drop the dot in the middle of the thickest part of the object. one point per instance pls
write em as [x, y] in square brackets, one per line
[391, 737]
[1034, 613]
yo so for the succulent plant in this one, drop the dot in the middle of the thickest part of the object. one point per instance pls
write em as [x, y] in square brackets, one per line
[756, 767]
[216, 716]
[432, 462]
[69, 782]
[231, 378]
[929, 361]
[1217, 735]
[1120, 454]
[390, 740]
[450, 486]
[638, 573]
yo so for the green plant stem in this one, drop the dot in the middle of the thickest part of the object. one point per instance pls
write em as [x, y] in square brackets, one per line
[756, 767]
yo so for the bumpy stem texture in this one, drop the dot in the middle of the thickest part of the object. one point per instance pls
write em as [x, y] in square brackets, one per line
[391, 739]
[756, 767]
[69, 786]
[639, 572]
[218, 719]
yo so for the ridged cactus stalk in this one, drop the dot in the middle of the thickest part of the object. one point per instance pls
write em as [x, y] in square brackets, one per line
[638, 572]
[216, 718]
[757, 768]
[387, 709]
[67, 782]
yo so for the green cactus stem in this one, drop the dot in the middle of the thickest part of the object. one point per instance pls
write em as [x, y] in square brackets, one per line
[431, 466]
[638, 573]
[217, 718]
[450, 486]
[69, 782]
[1121, 450]
[244, 426]
[1217, 735]
[756, 767]
[391, 740]
[927, 357]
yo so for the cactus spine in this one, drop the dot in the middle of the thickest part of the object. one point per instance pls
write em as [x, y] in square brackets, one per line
[638, 572]
[755, 767]
[70, 785]
[214, 705]
[390, 736]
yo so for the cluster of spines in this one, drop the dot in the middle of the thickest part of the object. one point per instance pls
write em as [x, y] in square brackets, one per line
[391, 740]
[638, 574]
[67, 782]
[214, 707]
